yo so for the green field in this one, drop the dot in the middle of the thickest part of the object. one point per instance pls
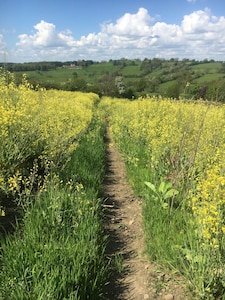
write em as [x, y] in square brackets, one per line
[53, 173]
[150, 76]
[207, 78]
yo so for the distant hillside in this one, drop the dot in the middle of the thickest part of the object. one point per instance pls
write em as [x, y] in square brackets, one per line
[130, 78]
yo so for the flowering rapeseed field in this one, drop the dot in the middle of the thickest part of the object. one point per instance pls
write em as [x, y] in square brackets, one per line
[181, 143]
[51, 165]
[174, 145]
[38, 125]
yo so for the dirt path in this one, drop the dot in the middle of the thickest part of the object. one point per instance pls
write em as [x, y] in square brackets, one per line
[140, 279]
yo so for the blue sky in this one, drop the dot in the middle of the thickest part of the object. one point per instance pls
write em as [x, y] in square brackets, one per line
[37, 30]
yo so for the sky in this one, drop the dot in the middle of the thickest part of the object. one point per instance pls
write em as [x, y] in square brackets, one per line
[100, 30]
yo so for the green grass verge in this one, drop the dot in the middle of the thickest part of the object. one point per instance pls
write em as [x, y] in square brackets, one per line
[165, 226]
[58, 253]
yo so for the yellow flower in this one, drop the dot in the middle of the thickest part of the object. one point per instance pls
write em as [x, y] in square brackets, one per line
[187, 84]
[2, 212]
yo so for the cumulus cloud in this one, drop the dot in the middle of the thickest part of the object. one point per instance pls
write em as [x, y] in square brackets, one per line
[196, 22]
[46, 36]
[200, 35]
[130, 24]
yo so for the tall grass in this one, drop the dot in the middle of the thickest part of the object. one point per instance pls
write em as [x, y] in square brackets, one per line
[174, 155]
[58, 251]
[87, 162]
[61, 252]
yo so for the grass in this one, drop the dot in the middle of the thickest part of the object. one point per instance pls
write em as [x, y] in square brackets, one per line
[59, 75]
[208, 78]
[118, 262]
[199, 74]
[58, 253]
[87, 163]
[159, 225]
[102, 68]
[175, 227]
[91, 73]
[131, 71]
[164, 86]
[213, 67]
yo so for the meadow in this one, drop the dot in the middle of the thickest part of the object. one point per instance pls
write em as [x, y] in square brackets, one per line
[174, 153]
[50, 142]
[139, 77]
[52, 164]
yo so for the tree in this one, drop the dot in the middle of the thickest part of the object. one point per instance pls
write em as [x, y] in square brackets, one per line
[215, 91]
[140, 85]
[173, 91]
[77, 84]
[202, 92]
[222, 70]
[107, 85]
[119, 82]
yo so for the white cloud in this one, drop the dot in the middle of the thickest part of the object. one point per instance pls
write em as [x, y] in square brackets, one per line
[196, 22]
[200, 35]
[46, 36]
[130, 24]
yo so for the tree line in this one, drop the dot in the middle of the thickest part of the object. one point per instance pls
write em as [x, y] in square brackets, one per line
[178, 76]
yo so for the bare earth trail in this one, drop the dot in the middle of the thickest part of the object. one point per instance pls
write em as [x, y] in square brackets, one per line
[140, 278]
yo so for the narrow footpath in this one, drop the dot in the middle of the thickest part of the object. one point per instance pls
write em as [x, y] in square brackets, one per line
[139, 278]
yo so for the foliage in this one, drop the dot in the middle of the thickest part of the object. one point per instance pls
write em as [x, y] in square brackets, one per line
[49, 124]
[174, 152]
[60, 255]
[151, 76]
[58, 251]
[173, 91]
[163, 193]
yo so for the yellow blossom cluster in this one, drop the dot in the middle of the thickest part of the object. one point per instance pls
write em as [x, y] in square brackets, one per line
[182, 134]
[38, 124]
[186, 140]
[180, 142]
[207, 201]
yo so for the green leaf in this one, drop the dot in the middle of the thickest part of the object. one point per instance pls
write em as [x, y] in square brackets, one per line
[151, 186]
[164, 205]
[162, 187]
[170, 193]
[168, 185]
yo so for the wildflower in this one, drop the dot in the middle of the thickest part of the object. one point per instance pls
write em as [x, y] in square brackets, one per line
[2, 212]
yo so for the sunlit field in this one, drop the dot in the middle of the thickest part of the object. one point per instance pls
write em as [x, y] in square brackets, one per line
[174, 152]
[49, 142]
[38, 125]
[52, 164]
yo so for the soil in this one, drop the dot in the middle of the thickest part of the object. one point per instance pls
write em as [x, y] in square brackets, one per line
[139, 278]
